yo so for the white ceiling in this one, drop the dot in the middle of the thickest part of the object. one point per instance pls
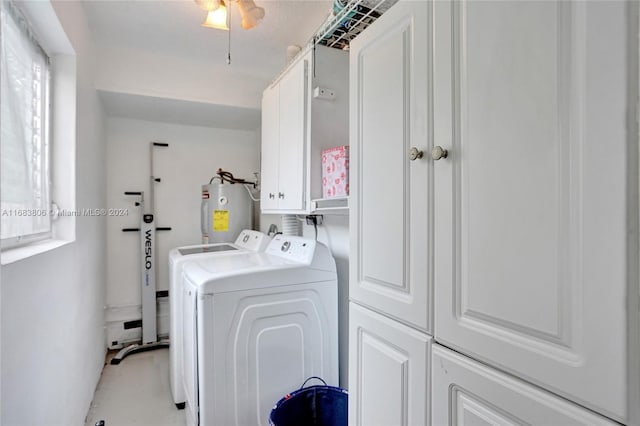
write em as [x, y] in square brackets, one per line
[172, 28]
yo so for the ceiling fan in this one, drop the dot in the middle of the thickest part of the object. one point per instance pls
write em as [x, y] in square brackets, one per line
[218, 17]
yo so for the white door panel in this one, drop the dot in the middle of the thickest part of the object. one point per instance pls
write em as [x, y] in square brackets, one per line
[467, 393]
[388, 371]
[270, 148]
[515, 106]
[390, 208]
[292, 116]
[530, 224]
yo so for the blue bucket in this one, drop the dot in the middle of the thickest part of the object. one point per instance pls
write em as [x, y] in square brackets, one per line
[312, 406]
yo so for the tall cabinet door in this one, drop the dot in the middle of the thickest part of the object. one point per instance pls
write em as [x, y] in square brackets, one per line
[270, 148]
[530, 201]
[293, 136]
[388, 371]
[390, 209]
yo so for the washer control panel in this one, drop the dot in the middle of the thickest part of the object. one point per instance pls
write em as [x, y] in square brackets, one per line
[252, 240]
[291, 247]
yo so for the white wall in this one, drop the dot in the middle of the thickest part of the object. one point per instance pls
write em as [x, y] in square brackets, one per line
[52, 318]
[334, 233]
[146, 73]
[192, 158]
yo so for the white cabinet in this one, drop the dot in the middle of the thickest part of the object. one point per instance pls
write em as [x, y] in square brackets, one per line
[530, 210]
[468, 393]
[389, 366]
[390, 261]
[270, 160]
[512, 248]
[284, 118]
[297, 126]
[391, 212]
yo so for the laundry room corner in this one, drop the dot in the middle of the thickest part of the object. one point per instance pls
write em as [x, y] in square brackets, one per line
[192, 157]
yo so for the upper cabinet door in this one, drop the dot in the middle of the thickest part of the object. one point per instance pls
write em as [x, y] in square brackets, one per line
[390, 213]
[530, 201]
[293, 136]
[270, 148]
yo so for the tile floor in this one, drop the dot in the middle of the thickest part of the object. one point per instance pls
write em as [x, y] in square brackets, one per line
[136, 393]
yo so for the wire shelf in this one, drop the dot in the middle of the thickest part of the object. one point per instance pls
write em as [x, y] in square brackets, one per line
[349, 19]
[330, 205]
[341, 27]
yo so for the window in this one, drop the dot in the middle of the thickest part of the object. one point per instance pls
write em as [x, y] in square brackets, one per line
[24, 132]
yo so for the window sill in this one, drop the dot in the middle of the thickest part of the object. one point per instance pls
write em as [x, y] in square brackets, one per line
[15, 254]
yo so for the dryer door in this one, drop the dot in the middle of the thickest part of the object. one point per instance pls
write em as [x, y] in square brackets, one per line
[258, 345]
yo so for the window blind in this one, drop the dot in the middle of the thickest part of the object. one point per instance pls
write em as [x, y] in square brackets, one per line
[24, 118]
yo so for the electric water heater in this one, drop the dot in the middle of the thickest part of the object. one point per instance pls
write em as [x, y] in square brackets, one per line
[226, 210]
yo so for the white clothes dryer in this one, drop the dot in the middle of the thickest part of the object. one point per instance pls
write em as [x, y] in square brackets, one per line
[247, 241]
[256, 326]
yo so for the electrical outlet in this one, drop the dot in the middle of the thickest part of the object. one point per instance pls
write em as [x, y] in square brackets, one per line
[314, 219]
[324, 93]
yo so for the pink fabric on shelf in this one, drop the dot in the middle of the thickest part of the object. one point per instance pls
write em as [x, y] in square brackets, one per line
[335, 172]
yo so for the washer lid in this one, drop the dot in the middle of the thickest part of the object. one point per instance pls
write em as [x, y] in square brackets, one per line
[206, 249]
[219, 274]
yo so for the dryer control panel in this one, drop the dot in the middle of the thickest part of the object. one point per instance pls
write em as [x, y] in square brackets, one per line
[293, 248]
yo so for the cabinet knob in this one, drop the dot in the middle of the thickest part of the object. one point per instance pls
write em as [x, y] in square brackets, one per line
[438, 152]
[271, 196]
[415, 153]
[281, 195]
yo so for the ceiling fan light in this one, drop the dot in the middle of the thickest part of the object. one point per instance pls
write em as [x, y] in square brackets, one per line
[208, 5]
[217, 18]
[250, 13]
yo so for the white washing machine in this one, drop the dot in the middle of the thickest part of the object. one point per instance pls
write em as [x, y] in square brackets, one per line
[247, 241]
[256, 326]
